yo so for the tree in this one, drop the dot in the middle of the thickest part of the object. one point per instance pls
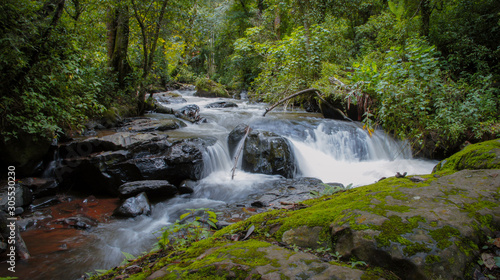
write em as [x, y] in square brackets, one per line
[118, 39]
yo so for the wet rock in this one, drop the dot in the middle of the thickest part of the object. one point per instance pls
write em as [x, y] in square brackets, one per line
[186, 187]
[5, 232]
[154, 188]
[32, 220]
[191, 111]
[45, 202]
[134, 206]
[222, 104]
[41, 186]
[78, 222]
[145, 157]
[264, 152]
[234, 138]
[23, 197]
[149, 125]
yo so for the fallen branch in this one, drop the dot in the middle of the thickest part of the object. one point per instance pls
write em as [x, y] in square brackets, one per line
[247, 129]
[309, 90]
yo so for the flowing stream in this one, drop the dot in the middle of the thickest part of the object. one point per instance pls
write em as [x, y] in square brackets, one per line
[333, 151]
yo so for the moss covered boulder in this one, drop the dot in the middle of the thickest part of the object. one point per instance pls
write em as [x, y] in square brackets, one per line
[485, 155]
[208, 88]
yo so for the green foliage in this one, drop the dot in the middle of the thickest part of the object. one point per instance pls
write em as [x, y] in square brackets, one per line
[187, 229]
[416, 98]
[292, 63]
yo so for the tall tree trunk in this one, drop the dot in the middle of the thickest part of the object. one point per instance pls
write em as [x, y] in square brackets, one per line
[425, 10]
[118, 38]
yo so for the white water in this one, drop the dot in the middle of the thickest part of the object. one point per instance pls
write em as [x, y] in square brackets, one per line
[333, 151]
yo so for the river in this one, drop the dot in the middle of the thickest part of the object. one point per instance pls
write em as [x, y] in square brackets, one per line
[333, 151]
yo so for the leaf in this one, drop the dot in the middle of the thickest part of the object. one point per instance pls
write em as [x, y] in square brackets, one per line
[249, 232]
[488, 260]
[184, 215]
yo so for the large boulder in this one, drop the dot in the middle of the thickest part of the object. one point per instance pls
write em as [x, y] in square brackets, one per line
[130, 159]
[264, 152]
[485, 155]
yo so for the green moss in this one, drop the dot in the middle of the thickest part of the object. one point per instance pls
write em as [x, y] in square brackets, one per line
[393, 229]
[377, 273]
[430, 259]
[209, 88]
[477, 156]
[415, 248]
[443, 235]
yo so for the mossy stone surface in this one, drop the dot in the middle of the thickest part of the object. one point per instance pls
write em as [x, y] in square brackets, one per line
[484, 155]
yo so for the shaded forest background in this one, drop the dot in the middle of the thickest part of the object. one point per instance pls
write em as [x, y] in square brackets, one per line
[423, 70]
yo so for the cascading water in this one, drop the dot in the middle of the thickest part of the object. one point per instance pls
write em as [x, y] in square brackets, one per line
[333, 151]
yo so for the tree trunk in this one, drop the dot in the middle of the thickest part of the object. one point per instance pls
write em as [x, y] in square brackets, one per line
[425, 11]
[118, 38]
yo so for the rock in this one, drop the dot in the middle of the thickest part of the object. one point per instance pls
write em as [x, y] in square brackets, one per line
[41, 186]
[134, 206]
[146, 157]
[305, 237]
[484, 155]
[234, 138]
[153, 188]
[5, 232]
[149, 125]
[169, 97]
[23, 197]
[78, 222]
[221, 104]
[25, 152]
[268, 153]
[257, 260]
[186, 187]
[208, 88]
[263, 152]
[191, 111]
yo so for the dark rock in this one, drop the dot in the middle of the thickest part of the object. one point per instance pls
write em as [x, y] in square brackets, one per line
[186, 187]
[78, 222]
[268, 153]
[134, 206]
[258, 204]
[191, 111]
[32, 220]
[5, 231]
[41, 186]
[145, 156]
[234, 138]
[25, 152]
[263, 152]
[221, 104]
[149, 125]
[23, 197]
[154, 188]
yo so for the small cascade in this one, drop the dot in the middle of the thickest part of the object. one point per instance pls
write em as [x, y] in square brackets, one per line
[216, 159]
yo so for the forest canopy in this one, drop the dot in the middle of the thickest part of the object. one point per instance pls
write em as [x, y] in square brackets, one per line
[423, 70]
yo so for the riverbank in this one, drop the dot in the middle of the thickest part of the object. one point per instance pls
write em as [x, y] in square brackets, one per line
[436, 226]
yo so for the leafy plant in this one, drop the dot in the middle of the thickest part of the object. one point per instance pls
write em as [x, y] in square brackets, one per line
[187, 229]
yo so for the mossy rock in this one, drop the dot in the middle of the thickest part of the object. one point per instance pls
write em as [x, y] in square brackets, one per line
[208, 88]
[430, 229]
[484, 155]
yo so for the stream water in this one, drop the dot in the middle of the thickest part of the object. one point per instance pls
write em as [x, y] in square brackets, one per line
[333, 151]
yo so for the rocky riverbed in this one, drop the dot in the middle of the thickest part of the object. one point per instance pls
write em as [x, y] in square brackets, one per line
[439, 226]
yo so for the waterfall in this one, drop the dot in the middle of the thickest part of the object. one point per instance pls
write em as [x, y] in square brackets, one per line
[345, 153]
